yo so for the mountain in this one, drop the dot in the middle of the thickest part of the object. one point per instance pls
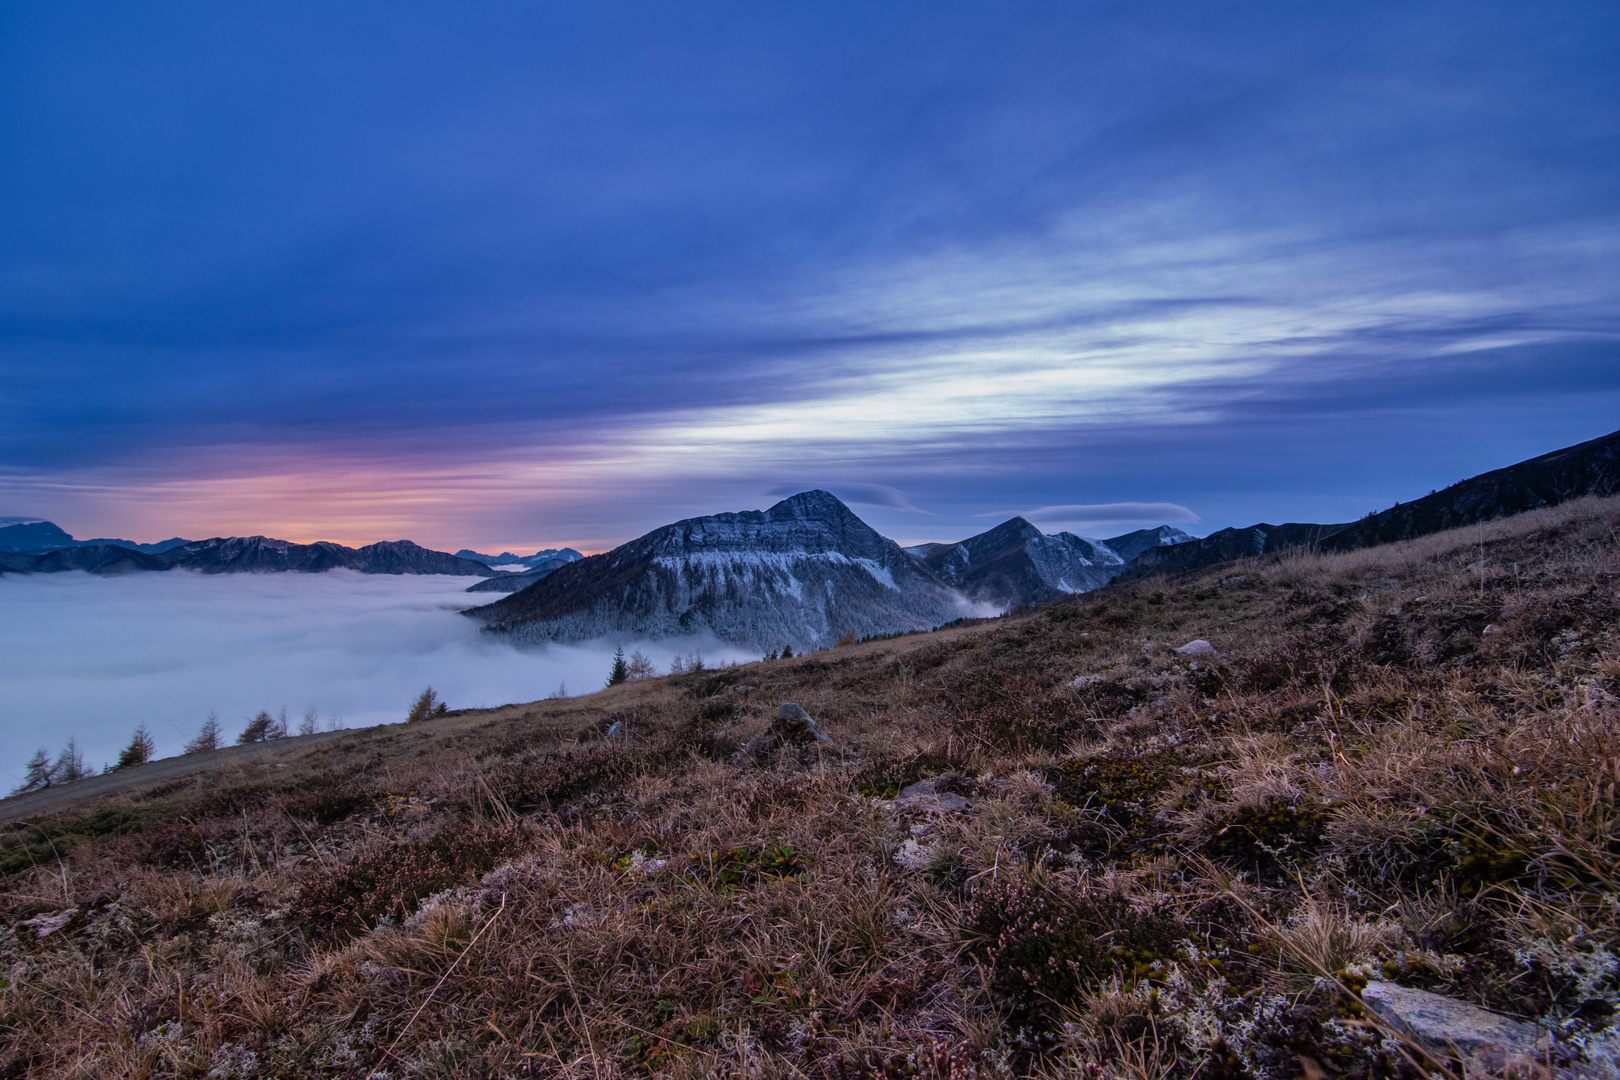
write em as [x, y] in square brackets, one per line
[1132, 544]
[533, 562]
[1226, 545]
[1588, 468]
[513, 582]
[47, 536]
[104, 559]
[34, 536]
[805, 572]
[245, 554]
[1015, 563]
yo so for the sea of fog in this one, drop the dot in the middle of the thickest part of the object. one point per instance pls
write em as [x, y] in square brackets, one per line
[92, 657]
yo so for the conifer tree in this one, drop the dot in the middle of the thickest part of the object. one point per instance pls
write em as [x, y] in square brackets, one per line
[427, 705]
[37, 774]
[207, 738]
[620, 671]
[258, 729]
[70, 764]
[139, 750]
[787, 653]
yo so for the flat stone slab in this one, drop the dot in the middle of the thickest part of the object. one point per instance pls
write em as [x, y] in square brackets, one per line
[1440, 1022]
[923, 796]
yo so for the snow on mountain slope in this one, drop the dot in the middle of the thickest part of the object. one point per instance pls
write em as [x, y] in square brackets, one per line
[1015, 563]
[1132, 544]
[803, 573]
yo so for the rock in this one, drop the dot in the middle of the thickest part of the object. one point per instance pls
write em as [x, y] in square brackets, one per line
[44, 926]
[1442, 1023]
[925, 795]
[1494, 629]
[794, 725]
[760, 745]
[1197, 647]
[1083, 681]
[616, 731]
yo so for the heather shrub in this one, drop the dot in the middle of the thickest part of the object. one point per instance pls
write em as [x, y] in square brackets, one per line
[1272, 834]
[1047, 943]
[349, 898]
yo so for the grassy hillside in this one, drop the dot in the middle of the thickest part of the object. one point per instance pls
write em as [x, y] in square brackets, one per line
[1402, 764]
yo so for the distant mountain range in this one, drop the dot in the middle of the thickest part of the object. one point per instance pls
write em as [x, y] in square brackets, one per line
[1015, 563]
[538, 565]
[46, 536]
[808, 571]
[506, 559]
[221, 555]
[803, 573]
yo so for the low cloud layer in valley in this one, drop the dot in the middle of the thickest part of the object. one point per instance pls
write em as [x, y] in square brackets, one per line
[92, 657]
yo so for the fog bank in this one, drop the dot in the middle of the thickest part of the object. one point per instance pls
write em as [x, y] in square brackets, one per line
[93, 657]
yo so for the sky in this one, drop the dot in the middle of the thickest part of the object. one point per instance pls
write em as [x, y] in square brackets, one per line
[512, 275]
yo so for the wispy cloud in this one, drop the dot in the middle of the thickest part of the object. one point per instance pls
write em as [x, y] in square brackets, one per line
[856, 494]
[1019, 254]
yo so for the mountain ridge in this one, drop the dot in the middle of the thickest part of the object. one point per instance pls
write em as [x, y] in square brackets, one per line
[245, 554]
[805, 572]
[1586, 468]
[1015, 563]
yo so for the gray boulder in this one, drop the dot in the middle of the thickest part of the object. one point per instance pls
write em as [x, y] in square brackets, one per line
[1443, 1024]
[794, 725]
[1197, 647]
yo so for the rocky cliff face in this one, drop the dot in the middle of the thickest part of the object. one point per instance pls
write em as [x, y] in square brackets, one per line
[803, 573]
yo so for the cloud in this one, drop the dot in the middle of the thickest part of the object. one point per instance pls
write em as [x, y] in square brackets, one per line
[979, 260]
[92, 657]
[1120, 513]
[858, 494]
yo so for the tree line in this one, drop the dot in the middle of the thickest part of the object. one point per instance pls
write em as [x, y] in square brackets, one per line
[42, 772]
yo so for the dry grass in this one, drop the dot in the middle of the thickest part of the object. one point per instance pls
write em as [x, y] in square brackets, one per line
[1153, 878]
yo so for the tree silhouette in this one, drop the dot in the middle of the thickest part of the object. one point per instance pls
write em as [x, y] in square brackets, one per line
[427, 705]
[640, 667]
[620, 671]
[70, 764]
[139, 750]
[38, 773]
[207, 738]
[258, 729]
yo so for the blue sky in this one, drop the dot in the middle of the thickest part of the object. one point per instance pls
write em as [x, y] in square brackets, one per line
[520, 275]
